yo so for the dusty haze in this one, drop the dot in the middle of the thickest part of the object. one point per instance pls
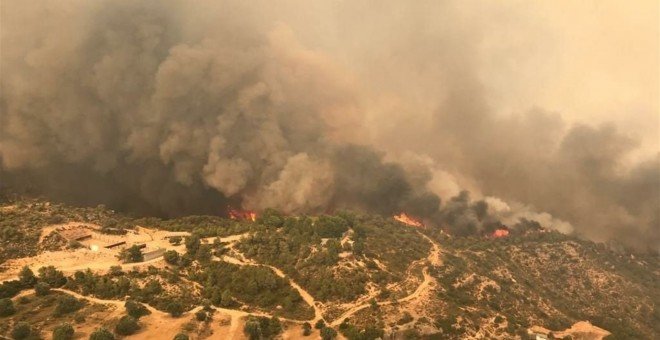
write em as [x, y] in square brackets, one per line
[544, 111]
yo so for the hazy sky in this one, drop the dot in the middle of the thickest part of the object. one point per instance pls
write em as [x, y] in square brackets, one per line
[600, 63]
[590, 61]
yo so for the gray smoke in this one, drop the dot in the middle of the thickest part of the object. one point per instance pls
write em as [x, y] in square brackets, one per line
[136, 108]
[176, 107]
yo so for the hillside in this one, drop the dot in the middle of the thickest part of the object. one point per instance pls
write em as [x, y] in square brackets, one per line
[361, 276]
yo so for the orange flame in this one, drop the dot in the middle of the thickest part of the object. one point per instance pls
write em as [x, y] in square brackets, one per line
[408, 220]
[501, 233]
[236, 214]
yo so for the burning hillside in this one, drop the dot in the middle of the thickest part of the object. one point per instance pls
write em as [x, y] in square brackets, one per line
[237, 214]
[408, 220]
[500, 233]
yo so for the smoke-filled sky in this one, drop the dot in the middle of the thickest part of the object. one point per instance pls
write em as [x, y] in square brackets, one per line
[544, 110]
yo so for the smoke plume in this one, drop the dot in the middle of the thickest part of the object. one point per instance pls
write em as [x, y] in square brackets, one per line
[175, 108]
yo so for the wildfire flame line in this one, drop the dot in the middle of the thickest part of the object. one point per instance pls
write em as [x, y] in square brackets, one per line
[236, 214]
[501, 233]
[408, 220]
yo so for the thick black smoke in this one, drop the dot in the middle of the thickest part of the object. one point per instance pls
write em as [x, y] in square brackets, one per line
[122, 104]
[182, 107]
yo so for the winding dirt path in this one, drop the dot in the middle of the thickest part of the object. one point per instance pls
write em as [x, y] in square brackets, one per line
[159, 319]
[243, 261]
[309, 299]
[433, 258]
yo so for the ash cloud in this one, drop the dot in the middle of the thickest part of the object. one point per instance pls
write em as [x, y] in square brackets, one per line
[174, 108]
[142, 105]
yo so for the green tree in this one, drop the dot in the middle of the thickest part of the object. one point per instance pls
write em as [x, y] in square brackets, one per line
[115, 271]
[175, 308]
[26, 277]
[63, 332]
[171, 257]
[204, 255]
[218, 247]
[358, 247]
[41, 289]
[253, 329]
[328, 333]
[136, 309]
[307, 329]
[67, 304]
[271, 218]
[6, 307]
[274, 326]
[131, 255]
[201, 315]
[227, 298]
[9, 289]
[152, 287]
[101, 334]
[331, 226]
[175, 241]
[192, 244]
[127, 325]
[181, 336]
[52, 276]
[22, 330]
[319, 324]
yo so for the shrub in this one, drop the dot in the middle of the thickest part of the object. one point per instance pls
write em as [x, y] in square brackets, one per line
[373, 303]
[75, 245]
[175, 241]
[127, 325]
[274, 327]
[131, 254]
[79, 318]
[22, 330]
[136, 309]
[52, 276]
[41, 289]
[171, 257]
[63, 332]
[331, 226]
[67, 304]
[307, 329]
[328, 333]
[201, 315]
[181, 336]
[252, 329]
[6, 307]
[9, 289]
[26, 277]
[175, 308]
[152, 287]
[406, 318]
[226, 298]
[101, 334]
[192, 244]
[319, 324]
[204, 254]
[115, 271]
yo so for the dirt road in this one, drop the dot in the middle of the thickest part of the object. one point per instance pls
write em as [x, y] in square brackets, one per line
[433, 258]
[309, 299]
